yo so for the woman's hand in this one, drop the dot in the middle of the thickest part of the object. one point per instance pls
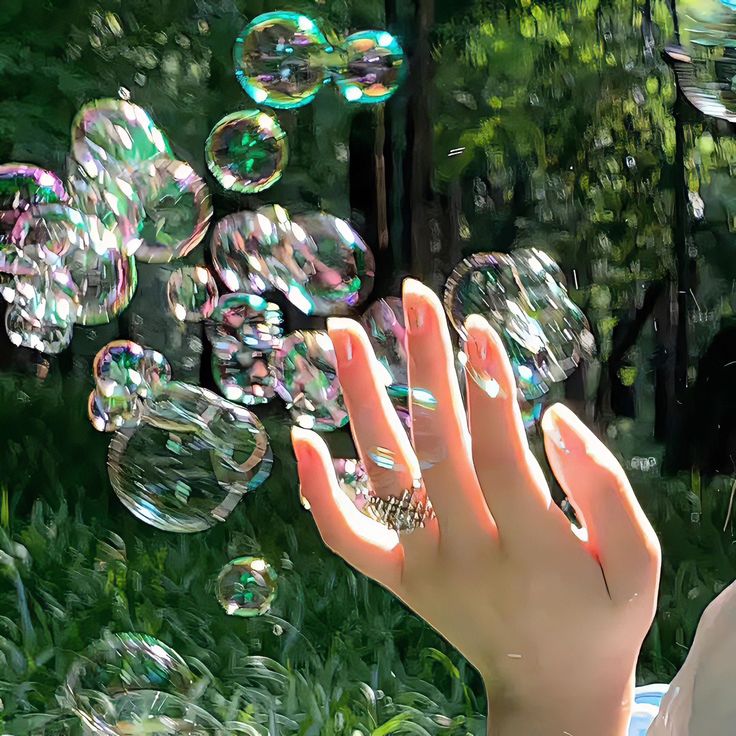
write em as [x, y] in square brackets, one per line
[700, 700]
[552, 621]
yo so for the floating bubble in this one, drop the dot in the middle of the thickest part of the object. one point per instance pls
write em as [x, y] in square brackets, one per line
[375, 67]
[192, 293]
[247, 151]
[523, 296]
[236, 435]
[112, 133]
[246, 587]
[247, 248]
[47, 232]
[118, 369]
[307, 381]
[106, 282]
[156, 370]
[244, 321]
[177, 210]
[27, 330]
[245, 377]
[279, 59]
[23, 186]
[129, 661]
[336, 274]
[146, 713]
[112, 206]
[110, 414]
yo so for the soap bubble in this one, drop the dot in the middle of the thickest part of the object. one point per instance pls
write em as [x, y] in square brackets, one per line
[177, 210]
[247, 248]
[112, 133]
[375, 67]
[118, 369]
[246, 586]
[110, 414]
[245, 376]
[192, 293]
[247, 151]
[279, 59]
[27, 330]
[112, 207]
[337, 273]
[106, 282]
[524, 297]
[47, 232]
[307, 380]
[23, 186]
[244, 320]
[156, 370]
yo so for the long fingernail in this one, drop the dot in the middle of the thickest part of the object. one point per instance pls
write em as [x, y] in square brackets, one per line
[341, 338]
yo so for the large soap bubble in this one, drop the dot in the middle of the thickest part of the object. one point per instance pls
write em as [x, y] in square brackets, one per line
[307, 380]
[23, 186]
[279, 59]
[524, 297]
[247, 151]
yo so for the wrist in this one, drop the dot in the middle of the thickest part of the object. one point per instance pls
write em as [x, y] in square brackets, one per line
[607, 715]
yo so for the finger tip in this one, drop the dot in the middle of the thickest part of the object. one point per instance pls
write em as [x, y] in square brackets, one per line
[413, 289]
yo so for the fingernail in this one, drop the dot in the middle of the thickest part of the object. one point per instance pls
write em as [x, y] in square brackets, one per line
[551, 429]
[341, 338]
[300, 443]
[414, 305]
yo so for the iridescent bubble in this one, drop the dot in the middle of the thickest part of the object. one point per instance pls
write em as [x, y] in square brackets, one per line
[307, 381]
[112, 207]
[177, 210]
[129, 661]
[247, 151]
[246, 586]
[47, 232]
[374, 69]
[245, 376]
[192, 293]
[241, 246]
[280, 59]
[115, 133]
[338, 274]
[26, 330]
[244, 320]
[167, 478]
[118, 369]
[109, 414]
[106, 282]
[23, 186]
[238, 439]
[146, 713]
[156, 370]
[524, 298]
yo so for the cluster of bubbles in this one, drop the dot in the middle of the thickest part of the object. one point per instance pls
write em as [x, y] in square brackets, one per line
[68, 249]
[182, 457]
[705, 62]
[283, 59]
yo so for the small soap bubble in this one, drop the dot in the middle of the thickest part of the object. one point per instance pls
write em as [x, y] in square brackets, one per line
[307, 380]
[247, 151]
[374, 67]
[246, 586]
[192, 293]
[110, 414]
[279, 59]
[118, 369]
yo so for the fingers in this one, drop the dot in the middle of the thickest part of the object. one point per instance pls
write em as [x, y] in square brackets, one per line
[439, 426]
[500, 449]
[619, 534]
[363, 543]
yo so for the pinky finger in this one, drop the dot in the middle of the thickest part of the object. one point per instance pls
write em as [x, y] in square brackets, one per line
[368, 546]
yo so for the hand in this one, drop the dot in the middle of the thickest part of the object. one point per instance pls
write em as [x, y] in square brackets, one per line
[700, 699]
[553, 623]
